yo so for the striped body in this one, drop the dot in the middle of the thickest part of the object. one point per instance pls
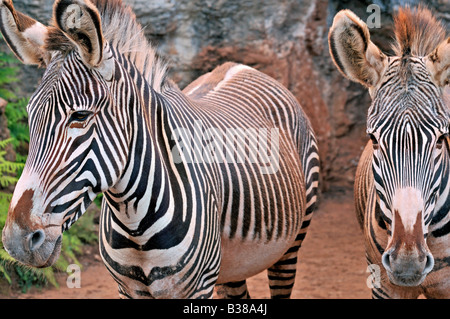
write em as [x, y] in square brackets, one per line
[229, 208]
[208, 185]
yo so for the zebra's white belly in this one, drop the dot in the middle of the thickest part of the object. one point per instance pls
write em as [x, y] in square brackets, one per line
[243, 259]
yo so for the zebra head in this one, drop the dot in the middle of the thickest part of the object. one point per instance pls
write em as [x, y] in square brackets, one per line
[69, 115]
[408, 123]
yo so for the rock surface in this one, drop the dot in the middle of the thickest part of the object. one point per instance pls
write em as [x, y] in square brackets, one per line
[287, 39]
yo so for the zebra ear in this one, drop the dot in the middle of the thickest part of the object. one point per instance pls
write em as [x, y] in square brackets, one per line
[356, 57]
[24, 35]
[81, 23]
[438, 63]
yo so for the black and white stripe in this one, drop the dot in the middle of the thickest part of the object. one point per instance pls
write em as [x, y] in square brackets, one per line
[408, 123]
[173, 228]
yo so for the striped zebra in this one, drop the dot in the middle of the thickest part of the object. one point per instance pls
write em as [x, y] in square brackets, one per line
[205, 186]
[402, 180]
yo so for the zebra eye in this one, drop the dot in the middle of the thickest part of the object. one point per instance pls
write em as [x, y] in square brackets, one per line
[79, 116]
[374, 141]
[441, 141]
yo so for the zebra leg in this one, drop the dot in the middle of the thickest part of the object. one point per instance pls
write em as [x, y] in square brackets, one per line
[233, 290]
[282, 274]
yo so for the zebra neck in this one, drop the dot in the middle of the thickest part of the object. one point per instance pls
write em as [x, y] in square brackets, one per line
[144, 185]
[150, 191]
[440, 224]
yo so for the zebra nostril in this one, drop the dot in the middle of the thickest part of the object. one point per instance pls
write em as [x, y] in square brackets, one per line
[429, 264]
[386, 261]
[36, 239]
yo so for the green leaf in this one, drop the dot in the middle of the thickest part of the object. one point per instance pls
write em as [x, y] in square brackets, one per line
[5, 274]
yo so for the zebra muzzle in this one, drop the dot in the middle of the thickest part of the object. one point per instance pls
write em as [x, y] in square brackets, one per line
[407, 259]
[405, 269]
[33, 248]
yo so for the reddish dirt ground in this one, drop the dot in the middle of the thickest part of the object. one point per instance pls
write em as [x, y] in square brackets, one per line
[331, 263]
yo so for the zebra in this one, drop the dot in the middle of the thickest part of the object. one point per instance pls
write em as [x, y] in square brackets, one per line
[402, 179]
[175, 222]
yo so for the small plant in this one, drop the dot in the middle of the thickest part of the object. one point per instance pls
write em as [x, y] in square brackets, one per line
[8, 75]
[17, 117]
[8, 169]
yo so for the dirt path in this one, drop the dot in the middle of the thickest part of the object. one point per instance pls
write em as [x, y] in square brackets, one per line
[331, 262]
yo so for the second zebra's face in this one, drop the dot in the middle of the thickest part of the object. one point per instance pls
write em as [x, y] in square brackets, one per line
[408, 124]
[75, 153]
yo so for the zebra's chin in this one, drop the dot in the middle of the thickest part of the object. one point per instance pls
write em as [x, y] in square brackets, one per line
[406, 280]
[54, 255]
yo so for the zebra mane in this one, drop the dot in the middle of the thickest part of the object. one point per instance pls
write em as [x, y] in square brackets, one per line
[417, 32]
[125, 35]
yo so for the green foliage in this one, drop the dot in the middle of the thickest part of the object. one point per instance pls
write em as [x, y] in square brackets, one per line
[8, 170]
[17, 116]
[16, 110]
[98, 200]
[8, 75]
